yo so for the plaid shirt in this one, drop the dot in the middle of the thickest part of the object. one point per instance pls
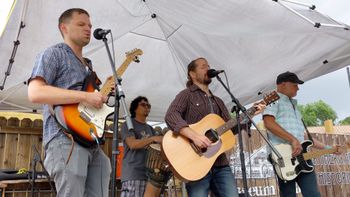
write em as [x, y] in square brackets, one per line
[59, 67]
[190, 106]
[287, 116]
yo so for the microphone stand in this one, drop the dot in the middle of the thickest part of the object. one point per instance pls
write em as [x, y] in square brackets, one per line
[238, 107]
[119, 97]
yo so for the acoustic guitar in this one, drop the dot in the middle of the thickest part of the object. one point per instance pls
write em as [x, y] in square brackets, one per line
[191, 163]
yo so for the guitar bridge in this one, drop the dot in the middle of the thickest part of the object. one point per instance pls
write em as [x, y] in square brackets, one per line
[196, 149]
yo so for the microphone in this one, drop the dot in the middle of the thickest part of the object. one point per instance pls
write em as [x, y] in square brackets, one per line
[101, 33]
[213, 73]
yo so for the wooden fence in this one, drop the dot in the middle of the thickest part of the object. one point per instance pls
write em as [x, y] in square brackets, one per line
[17, 138]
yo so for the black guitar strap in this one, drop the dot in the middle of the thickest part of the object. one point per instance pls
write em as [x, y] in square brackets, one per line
[307, 131]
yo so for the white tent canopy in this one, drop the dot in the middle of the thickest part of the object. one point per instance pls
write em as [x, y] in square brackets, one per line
[252, 40]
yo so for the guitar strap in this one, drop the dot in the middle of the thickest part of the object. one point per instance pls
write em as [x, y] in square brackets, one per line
[307, 131]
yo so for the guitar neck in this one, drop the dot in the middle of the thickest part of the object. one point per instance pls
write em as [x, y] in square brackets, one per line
[233, 122]
[318, 153]
[107, 86]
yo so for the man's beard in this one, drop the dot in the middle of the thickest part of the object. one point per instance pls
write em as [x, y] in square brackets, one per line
[207, 81]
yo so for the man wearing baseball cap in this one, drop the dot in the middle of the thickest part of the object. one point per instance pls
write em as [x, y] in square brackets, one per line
[288, 77]
[284, 122]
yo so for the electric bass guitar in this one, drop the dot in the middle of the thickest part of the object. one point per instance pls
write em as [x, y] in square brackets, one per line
[191, 163]
[291, 167]
[87, 123]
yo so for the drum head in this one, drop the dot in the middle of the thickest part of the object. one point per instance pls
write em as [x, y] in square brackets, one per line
[155, 146]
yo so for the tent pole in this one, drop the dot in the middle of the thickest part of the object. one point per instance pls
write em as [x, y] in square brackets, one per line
[119, 99]
[311, 7]
[16, 43]
[348, 71]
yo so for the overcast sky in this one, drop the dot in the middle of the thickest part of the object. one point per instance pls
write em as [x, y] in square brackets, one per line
[332, 88]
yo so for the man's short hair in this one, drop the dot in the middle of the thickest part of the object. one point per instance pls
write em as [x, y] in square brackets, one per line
[67, 15]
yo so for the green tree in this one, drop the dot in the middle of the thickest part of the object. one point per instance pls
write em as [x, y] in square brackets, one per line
[346, 121]
[314, 114]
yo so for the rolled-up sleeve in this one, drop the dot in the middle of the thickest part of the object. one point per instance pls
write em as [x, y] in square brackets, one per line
[174, 116]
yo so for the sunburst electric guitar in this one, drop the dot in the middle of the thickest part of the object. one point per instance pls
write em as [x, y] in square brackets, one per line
[191, 163]
[291, 167]
[86, 123]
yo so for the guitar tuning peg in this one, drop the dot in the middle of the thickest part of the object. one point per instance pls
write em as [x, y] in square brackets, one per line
[136, 59]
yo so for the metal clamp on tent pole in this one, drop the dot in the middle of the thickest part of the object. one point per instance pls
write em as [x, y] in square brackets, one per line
[334, 25]
[16, 43]
[311, 7]
[295, 12]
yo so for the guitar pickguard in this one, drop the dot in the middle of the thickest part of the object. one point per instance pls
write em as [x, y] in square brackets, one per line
[213, 149]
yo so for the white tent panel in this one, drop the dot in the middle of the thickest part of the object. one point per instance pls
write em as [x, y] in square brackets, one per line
[252, 40]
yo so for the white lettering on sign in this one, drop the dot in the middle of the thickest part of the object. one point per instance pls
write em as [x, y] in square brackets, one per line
[343, 159]
[333, 178]
[259, 190]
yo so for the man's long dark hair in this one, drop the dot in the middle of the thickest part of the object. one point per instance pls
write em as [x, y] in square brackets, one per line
[191, 67]
[135, 103]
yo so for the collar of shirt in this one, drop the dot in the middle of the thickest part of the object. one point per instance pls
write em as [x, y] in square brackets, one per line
[69, 50]
[194, 88]
[284, 97]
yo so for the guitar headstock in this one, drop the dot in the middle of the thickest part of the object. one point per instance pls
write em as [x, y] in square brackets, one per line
[271, 97]
[133, 55]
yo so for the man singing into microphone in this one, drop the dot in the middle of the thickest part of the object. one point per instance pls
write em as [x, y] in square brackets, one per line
[189, 107]
[57, 79]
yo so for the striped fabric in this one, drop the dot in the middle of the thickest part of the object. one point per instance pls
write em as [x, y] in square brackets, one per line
[190, 106]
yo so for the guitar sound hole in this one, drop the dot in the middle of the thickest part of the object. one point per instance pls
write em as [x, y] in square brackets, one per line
[212, 135]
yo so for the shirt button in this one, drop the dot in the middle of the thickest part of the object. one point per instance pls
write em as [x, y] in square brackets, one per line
[197, 104]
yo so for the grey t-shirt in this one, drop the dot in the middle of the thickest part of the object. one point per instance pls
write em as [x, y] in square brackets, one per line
[133, 167]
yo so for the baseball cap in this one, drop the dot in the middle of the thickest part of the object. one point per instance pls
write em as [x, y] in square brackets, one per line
[288, 77]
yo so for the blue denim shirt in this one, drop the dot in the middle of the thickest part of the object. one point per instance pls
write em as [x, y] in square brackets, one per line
[287, 117]
[59, 67]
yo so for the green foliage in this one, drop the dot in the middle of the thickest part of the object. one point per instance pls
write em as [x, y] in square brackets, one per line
[346, 121]
[314, 114]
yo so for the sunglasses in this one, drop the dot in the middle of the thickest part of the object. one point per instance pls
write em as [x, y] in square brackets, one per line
[145, 105]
